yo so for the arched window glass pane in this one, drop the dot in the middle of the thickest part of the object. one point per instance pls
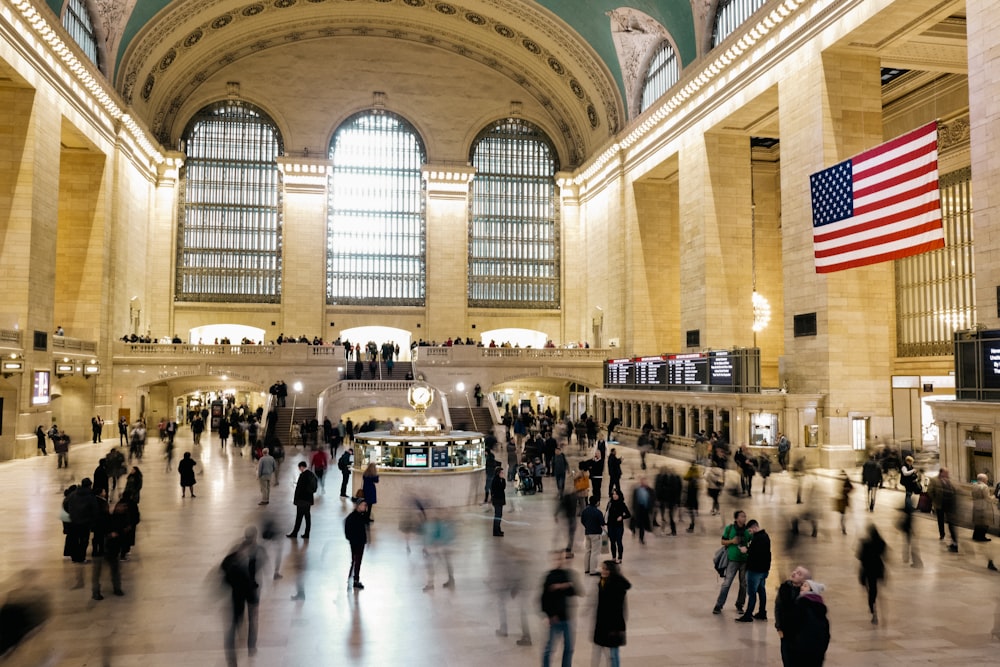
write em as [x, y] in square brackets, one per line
[730, 15]
[76, 20]
[229, 236]
[936, 290]
[664, 71]
[514, 231]
[376, 230]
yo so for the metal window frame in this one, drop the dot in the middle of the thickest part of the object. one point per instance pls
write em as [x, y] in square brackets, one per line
[229, 231]
[376, 251]
[514, 231]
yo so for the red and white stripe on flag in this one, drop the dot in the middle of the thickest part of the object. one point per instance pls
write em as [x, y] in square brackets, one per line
[879, 205]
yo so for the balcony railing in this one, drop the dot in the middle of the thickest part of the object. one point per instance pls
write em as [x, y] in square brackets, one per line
[77, 345]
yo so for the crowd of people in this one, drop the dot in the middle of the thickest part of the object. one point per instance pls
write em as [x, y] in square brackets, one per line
[537, 447]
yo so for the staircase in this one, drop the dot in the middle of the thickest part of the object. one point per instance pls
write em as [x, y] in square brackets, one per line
[475, 419]
[284, 422]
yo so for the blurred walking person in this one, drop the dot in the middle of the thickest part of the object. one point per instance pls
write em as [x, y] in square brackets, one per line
[871, 475]
[239, 570]
[691, 497]
[558, 588]
[870, 554]
[942, 493]
[982, 502]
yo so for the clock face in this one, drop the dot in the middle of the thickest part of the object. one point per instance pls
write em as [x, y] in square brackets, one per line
[421, 395]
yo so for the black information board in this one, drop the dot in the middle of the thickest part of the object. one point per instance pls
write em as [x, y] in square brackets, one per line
[688, 369]
[736, 370]
[619, 372]
[722, 369]
[651, 371]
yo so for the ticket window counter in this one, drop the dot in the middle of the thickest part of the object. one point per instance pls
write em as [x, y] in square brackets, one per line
[763, 429]
[979, 454]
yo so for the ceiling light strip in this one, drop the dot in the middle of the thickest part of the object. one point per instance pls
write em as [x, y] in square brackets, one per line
[96, 89]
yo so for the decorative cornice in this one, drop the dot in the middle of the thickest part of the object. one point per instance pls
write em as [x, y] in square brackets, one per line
[304, 175]
[447, 181]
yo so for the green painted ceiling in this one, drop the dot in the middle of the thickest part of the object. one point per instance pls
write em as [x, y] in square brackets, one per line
[586, 17]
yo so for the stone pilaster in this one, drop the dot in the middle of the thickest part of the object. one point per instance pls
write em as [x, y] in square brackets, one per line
[983, 25]
[830, 110]
[447, 251]
[714, 240]
[304, 239]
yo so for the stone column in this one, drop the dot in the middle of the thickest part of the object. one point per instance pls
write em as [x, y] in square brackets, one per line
[446, 311]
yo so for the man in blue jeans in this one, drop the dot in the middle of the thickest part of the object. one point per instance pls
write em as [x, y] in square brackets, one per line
[556, 591]
[758, 565]
[734, 537]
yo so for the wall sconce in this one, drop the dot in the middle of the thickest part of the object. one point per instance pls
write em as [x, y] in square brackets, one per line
[65, 367]
[91, 368]
[12, 365]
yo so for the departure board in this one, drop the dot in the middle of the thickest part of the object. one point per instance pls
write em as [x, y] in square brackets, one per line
[619, 372]
[721, 368]
[688, 369]
[736, 370]
[651, 371]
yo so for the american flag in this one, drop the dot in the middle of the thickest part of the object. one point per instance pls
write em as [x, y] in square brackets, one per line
[882, 204]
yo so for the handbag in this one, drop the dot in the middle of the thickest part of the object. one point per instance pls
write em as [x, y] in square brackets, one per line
[605, 544]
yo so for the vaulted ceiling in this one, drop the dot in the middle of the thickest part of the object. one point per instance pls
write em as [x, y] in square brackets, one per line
[560, 53]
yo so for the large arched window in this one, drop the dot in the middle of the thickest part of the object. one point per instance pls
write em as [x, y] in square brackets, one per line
[229, 236]
[376, 233]
[76, 20]
[514, 230]
[664, 71]
[730, 15]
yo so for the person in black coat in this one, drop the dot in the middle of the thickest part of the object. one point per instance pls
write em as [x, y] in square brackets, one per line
[758, 565]
[614, 471]
[786, 618]
[356, 532]
[186, 470]
[101, 481]
[609, 624]
[305, 488]
[617, 513]
[498, 496]
[814, 626]
[40, 435]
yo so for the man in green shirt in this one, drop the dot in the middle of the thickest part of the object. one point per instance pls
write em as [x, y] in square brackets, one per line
[734, 536]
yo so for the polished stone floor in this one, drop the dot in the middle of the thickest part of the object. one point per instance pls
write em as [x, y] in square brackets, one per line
[173, 611]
